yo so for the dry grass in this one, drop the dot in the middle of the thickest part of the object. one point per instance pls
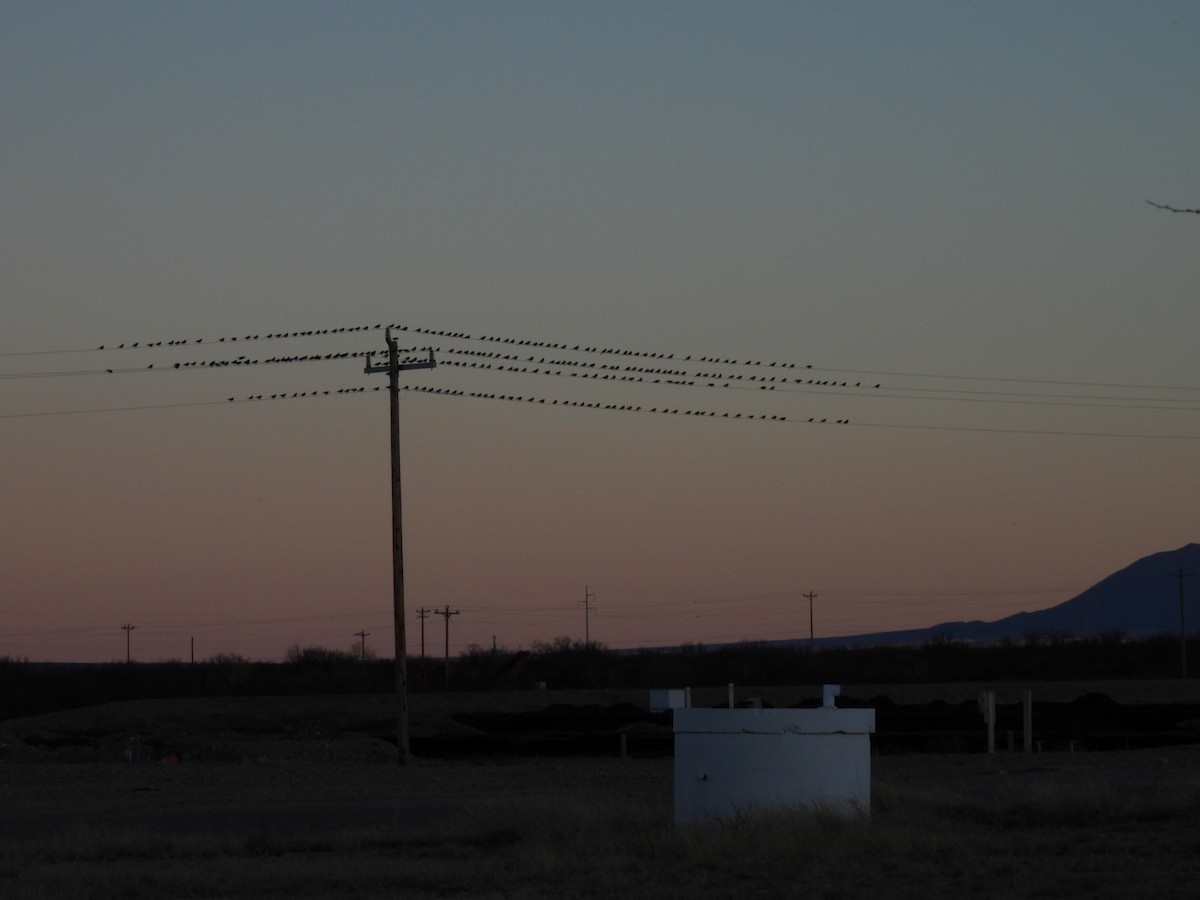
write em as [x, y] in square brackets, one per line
[321, 817]
[1041, 838]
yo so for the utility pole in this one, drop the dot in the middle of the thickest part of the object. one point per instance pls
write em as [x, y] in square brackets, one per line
[446, 614]
[811, 597]
[127, 628]
[587, 616]
[393, 368]
[423, 614]
[1179, 575]
[362, 644]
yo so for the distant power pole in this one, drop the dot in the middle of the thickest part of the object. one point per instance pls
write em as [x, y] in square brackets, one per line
[423, 614]
[1179, 575]
[362, 644]
[446, 614]
[587, 616]
[127, 628]
[811, 597]
[393, 367]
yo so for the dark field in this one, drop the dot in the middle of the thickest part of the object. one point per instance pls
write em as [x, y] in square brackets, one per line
[297, 797]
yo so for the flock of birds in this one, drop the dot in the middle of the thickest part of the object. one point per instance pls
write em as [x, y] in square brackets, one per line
[461, 336]
[687, 378]
[507, 362]
[180, 342]
[555, 367]
[544, 401]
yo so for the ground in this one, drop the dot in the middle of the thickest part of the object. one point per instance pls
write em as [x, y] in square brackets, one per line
[304, 798]
[294, 762]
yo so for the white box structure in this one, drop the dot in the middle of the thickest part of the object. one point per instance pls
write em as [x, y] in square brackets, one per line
[730, 762]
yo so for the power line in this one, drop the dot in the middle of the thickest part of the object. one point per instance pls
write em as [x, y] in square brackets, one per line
[499, 606]
[46, 352]
[721, 380]
[586, 349]
[111, 409]
[1043, 432]
[781, 384]
[669, 369]
[193, 625]
[661, 410]
[240, 362]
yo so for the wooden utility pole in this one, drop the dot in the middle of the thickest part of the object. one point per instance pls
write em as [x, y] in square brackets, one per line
[393, 368]
[588, 596]
[446, 614]
[127, 628]
[362, 644]
[811, 639]
[423, 614]
[1179, 575]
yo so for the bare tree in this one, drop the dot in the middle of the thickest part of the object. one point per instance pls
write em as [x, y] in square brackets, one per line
[1172, 208]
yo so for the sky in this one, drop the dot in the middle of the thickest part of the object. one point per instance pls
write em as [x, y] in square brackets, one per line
[924, 348]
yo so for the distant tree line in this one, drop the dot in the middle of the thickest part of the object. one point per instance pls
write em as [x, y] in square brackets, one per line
[30, 688]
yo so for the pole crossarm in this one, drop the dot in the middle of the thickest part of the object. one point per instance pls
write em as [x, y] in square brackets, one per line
[385, 368]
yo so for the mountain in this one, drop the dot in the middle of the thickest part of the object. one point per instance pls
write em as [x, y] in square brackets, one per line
[1139, 601]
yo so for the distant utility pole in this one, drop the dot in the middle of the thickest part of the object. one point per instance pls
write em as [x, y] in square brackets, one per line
[393, 368]
[811, 597]
[1179, 575]
[362, 644]
[588, 596]
[127, 628]
[446, 614]
[423, 614]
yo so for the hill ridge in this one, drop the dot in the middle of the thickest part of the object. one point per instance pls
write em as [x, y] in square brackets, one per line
[1138, 600]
